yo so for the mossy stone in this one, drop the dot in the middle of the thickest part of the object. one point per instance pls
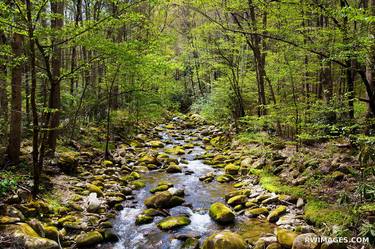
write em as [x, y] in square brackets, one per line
[220, 213]
[173, 222]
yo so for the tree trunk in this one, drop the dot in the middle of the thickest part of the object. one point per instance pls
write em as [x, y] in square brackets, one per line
[54, 98]
[16, 103]
[3, 90]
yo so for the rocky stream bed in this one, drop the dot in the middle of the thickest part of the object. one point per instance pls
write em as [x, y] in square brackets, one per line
[171, 187]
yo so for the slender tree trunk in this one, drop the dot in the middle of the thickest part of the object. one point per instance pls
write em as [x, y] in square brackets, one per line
[54, 98]
[16, 102]
[3, 90]
[37, 162]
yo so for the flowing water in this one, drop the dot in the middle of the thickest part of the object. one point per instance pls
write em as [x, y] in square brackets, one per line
[198, 198]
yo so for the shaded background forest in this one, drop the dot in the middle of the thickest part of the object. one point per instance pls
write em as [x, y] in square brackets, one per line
[302, 70]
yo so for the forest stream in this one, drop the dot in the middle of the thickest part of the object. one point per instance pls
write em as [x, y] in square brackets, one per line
[198, 195]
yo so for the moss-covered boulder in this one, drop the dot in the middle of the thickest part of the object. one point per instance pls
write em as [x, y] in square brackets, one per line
[158, 200]
[143, 219]
[306, 241]
[155, 144]
[29, 237]
[173, 168]
[286, 237]
[224, 240]
[276, 213]
[89, 239]
[173, 222]
[149, 159]
[224, 178]
[68, 162]
[220, 213]
[237, 200]
[94, 189]
[51, 232]
[254, 212]
[137, 185]
[231, 169]
[159, 188]
[190, 243]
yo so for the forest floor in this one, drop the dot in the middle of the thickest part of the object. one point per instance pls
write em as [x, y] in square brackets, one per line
[202, 181]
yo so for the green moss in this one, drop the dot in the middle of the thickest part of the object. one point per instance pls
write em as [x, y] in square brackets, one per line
[272, 183]
[320, 212]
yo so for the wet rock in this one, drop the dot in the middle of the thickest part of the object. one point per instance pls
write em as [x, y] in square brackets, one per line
[190, 243]
[220, 213]
[231, 169]
[276, 213]
[159, 189]
[224, 178]
[286, 237]
[236, 200]
[89, 239]
[158, 200]
[173, 222]
[155, 144]
[270, 200]
[306, 241]
[149, 159]
[154, 212]
[254, 212]
[137, 185]
[173, 168]
[143, 219]
[224, 240]
[110, 236]
[245, 192]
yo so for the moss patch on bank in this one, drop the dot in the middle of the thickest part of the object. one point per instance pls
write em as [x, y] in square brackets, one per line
[317, 211]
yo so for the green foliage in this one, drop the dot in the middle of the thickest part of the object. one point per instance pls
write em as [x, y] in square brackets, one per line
[367, 230]
[7, 185]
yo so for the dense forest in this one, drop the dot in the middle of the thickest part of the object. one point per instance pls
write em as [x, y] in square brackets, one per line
[257, 117]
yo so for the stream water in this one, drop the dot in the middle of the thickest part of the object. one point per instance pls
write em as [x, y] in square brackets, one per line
[198, 198]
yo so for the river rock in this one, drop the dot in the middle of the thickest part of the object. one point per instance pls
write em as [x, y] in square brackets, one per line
[300, 203]
[276, 213]
[173, 222]
[306, 241]
[31, 239]
[190, 243]
[143, 219]
[51, 232]
[231, 169]
[236, 200]
[159, 188]
[159, 200]
[89, 239]
[173, 168]
[92, 203]
[254, 212]
[94, 189]
[220, 213]
[224, 240]
[286, 237]
[155, 144]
